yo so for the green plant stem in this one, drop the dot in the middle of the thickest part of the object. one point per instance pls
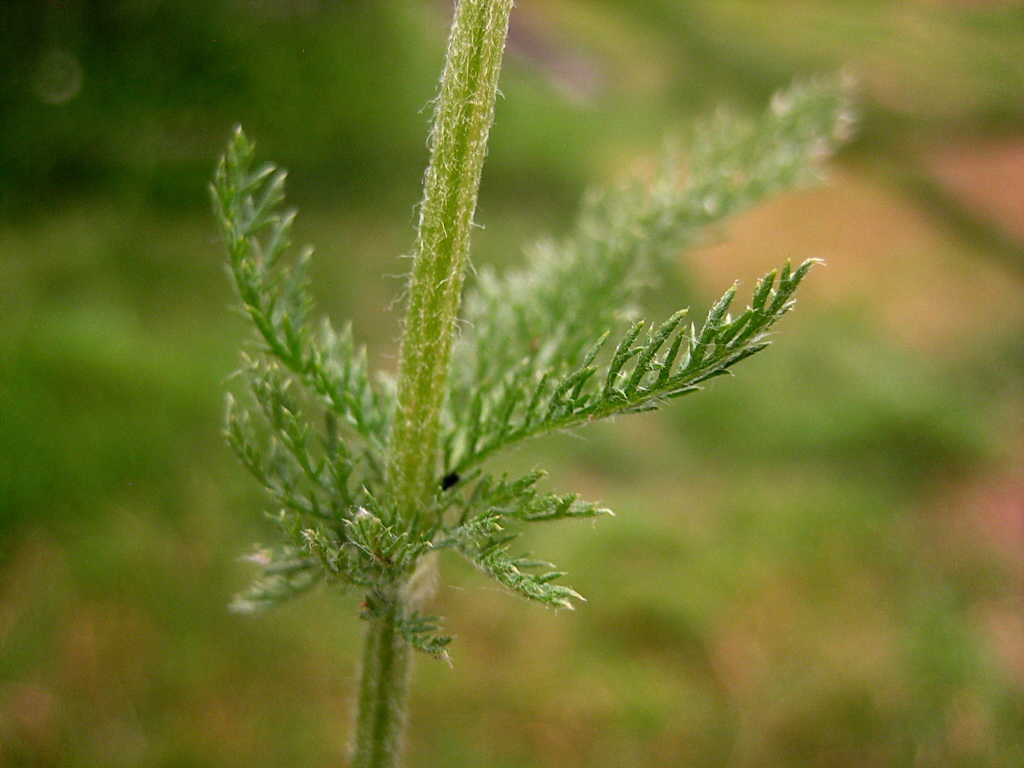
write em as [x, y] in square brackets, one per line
[458, 143]
[383, 687]
[462, 119]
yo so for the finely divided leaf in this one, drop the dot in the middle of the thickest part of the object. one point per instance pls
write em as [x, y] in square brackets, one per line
[546, 315]
[643, 372]
[277, 301]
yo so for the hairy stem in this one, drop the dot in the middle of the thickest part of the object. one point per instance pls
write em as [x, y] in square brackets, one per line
[458, 144]
[462, 119]
[383, 688]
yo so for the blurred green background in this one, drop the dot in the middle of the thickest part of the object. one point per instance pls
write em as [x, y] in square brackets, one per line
[819, 563]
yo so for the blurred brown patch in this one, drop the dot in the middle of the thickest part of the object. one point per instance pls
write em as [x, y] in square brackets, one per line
[987, 178]
[886, 256]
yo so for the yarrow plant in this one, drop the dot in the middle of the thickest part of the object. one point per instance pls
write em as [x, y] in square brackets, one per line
[371, 475]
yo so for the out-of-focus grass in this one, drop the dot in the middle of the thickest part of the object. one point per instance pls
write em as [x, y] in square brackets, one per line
[815, 564]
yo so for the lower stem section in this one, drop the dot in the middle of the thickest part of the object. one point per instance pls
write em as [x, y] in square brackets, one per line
[384, 686]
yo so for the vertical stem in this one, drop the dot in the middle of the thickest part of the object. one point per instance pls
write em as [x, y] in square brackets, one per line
[383, 688]
[462, 119]
[458, 145]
